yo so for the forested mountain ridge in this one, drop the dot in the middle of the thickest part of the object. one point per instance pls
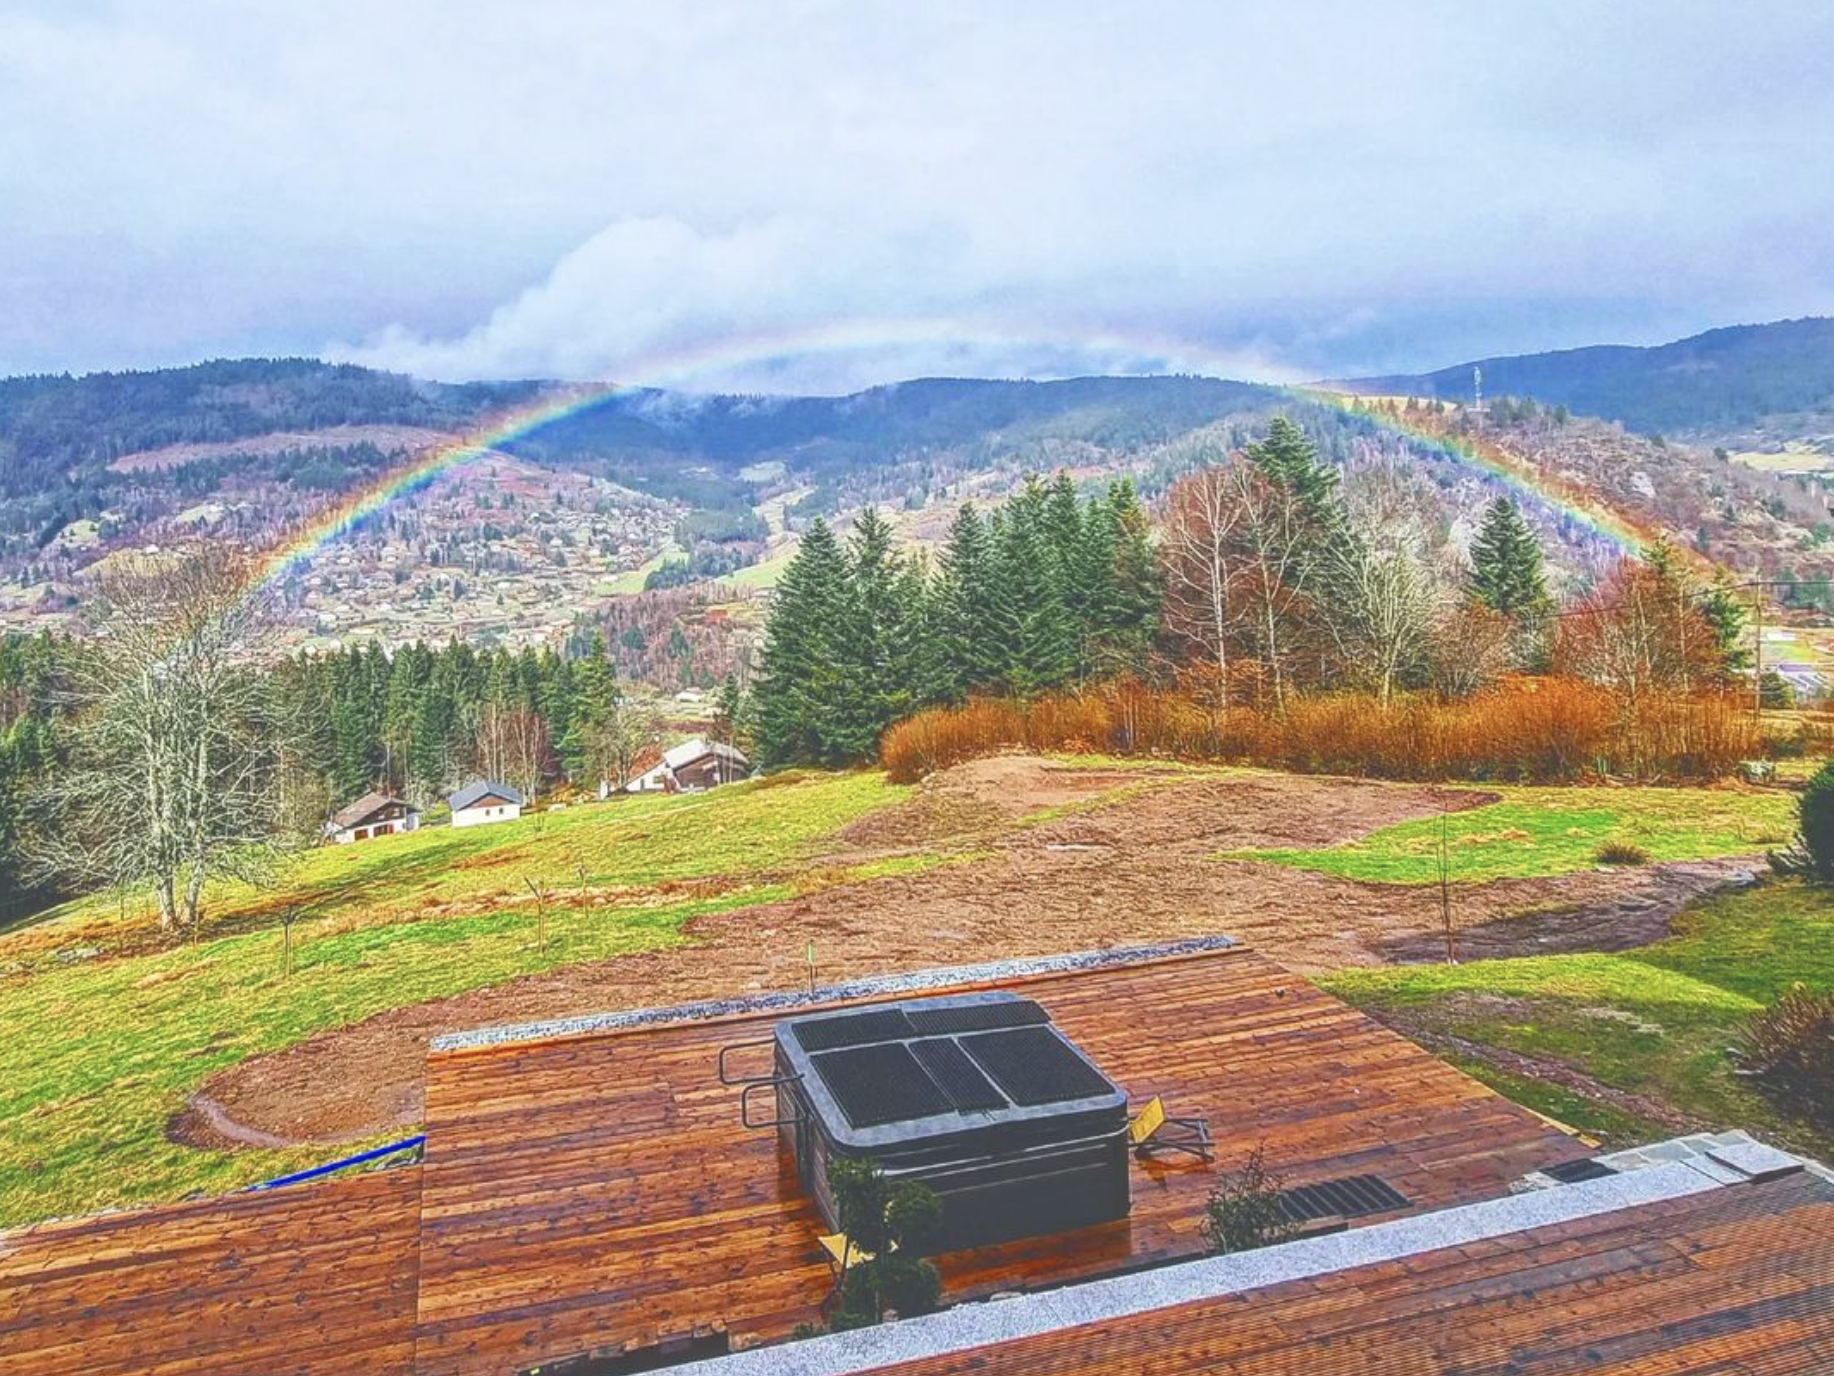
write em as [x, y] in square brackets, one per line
[588, 522]
[56, 429]
[1726, 383]
[635, 489]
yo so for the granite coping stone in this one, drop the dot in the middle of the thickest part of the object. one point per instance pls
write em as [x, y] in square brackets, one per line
[915, 982]
[1755, 1160]
[973, 1326]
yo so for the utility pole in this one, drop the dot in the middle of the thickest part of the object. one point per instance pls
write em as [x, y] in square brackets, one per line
[1757, 652]
[1445, 889]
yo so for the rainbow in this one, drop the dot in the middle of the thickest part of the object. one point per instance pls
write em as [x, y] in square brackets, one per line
[1120, 352]
[300, 545]
[1571, 501]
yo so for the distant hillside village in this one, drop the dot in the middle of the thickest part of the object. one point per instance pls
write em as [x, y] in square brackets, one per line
[693, 766]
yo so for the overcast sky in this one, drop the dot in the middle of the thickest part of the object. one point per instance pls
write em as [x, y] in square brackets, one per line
[812, 195]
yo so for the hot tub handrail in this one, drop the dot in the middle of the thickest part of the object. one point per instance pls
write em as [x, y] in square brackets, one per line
[745, 1101]
[727, 1079]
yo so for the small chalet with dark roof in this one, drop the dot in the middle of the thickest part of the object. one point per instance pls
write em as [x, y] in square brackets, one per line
[372, 815]
[481, 802]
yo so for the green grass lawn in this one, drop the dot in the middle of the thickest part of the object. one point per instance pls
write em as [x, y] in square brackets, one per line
[97, 1054]
[1536, 832]
[1657, 1020]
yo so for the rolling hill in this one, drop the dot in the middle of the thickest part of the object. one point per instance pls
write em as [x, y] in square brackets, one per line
[1744, 381]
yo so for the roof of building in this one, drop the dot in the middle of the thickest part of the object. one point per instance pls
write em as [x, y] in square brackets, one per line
[478, 790]
[366, 807]
[1692, 1265]
[685, 754]
[588, 1186]
[313, 1280]
[594, 1187]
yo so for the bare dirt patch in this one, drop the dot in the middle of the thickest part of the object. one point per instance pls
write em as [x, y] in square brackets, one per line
[1132, 870]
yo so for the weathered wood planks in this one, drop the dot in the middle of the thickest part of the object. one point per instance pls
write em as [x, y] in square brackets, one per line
[599, 1191]
[1734, 1282]
[312, 1280]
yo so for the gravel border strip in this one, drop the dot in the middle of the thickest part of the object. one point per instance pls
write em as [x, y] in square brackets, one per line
[916, 982]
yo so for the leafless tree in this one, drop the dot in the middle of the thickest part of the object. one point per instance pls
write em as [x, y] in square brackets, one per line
[513, 746]
[178, 747]
[1468, 649]
[1382, 593]
[1273, 528]
[1204, 565]
[613, 746]
[1380, 613]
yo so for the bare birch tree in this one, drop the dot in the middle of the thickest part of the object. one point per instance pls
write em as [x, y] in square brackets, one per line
[513, 745]
[1273, 529]
[176, 769]
[1204, 564]
[1380, 596]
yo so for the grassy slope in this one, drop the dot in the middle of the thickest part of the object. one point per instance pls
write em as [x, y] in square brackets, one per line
[96, 1055]
[1536, 832]
[1656, 1021]
[390, 923]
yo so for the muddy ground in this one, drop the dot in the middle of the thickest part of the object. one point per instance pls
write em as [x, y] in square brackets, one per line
[1123, 856]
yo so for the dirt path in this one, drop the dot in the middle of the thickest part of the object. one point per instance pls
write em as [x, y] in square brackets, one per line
[1101, 874]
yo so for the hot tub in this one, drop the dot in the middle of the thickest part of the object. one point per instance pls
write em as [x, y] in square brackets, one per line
[979, 1096]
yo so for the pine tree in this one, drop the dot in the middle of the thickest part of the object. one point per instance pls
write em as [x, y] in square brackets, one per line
[1040, 638]
[803, 700]
[1289, 458]
[1135, 591]
[968, 610]
[917, 653]
[1506, 572]
[1725, 613]
[866, 645]
[594, 699]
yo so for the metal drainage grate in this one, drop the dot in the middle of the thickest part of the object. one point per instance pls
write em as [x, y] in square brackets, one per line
[1572, 1172]
[1354, 1196]
[1036, 1066]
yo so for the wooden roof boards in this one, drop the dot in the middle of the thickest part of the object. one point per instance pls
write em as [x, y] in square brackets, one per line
[314, 1280]
[599, 1191]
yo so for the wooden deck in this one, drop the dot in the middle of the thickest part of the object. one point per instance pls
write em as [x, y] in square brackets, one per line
[1735, 1282]
[308, 1281]
[599, 1192]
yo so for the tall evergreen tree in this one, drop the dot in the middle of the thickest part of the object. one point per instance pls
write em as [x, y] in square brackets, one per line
[1726, 615]
[1506, 567]
[803, 701]
[969, 612]
[1041, 642]
[1288, 457]
[594, 700]
[1135, 592]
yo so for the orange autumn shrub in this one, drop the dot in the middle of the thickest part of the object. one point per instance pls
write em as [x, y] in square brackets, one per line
[1542, 730]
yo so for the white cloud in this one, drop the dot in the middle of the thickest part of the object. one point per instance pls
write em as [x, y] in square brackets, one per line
[579, 187]
[782, 303]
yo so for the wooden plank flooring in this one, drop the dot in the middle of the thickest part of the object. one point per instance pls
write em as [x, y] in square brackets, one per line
[599, 1192]
[309, 1280]
[1735, 1282]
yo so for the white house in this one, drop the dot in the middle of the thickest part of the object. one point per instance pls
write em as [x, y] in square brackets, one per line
[692, 766]
[481, 802]
[374, 814]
